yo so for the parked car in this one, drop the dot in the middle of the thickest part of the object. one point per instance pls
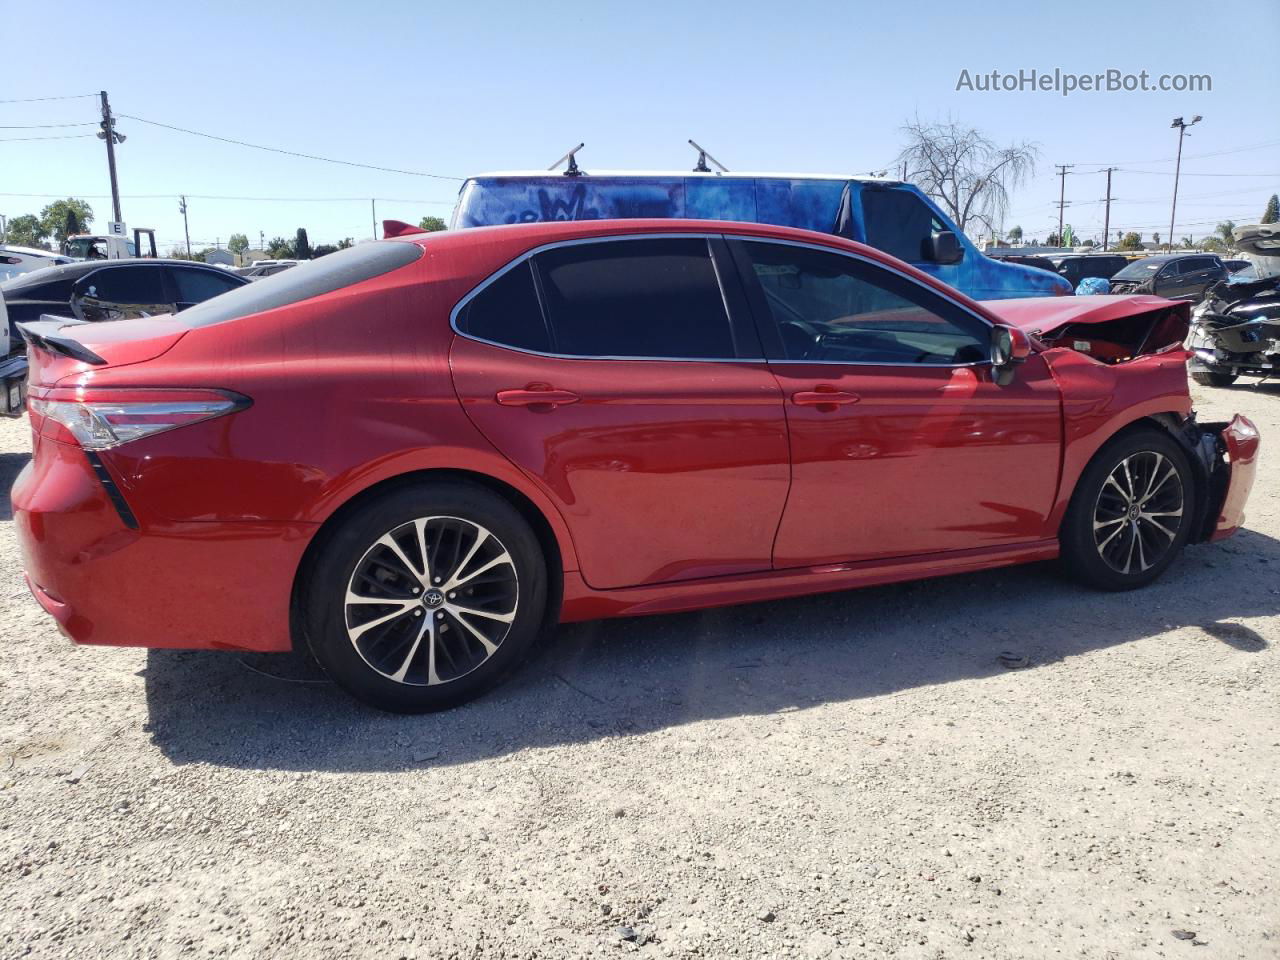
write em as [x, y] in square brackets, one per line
[265, 268]
[18, 260]
[1178, 276]
[891, 216]
[1082, 266]
[415, 455]
[98, 290]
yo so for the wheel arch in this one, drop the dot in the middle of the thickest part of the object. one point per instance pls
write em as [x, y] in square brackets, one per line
[549, 539]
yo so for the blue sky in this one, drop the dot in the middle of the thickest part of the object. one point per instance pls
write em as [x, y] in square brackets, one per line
[457, 89]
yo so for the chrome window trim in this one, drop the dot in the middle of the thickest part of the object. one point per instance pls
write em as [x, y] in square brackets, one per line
[580, 241]
[882, 266]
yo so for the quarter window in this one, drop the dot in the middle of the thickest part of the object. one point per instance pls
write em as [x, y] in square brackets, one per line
[507, 312]
[830, 308]
[196, 286]
[635, 298]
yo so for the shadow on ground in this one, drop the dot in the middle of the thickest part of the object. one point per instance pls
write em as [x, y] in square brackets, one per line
[624, 677]
[11, 465]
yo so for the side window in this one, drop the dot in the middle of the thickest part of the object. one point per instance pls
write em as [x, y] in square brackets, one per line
[831, 308]
[196, 286]
[134, 284]
[635, 298]
[507, 312]
[898, 222]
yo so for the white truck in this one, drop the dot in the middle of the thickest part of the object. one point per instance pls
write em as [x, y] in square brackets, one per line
[114, 245]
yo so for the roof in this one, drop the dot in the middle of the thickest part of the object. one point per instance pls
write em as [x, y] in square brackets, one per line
[79, 268]
[668, 174]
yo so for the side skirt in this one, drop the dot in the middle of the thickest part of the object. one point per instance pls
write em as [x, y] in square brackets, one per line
[583, 603]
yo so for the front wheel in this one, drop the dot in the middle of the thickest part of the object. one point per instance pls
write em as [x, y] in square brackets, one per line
[426, 597]
[1207, 378]
[1131, 512]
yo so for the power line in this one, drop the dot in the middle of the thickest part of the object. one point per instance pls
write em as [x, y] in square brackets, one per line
[1167, 173]
[210, 196]
[73, 96]
[290, 153]
[45, 126]
[1198, 156]
[64, 136]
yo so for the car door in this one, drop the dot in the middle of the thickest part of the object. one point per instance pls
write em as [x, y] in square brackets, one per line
[121, 292]
[901, 443]
[192, 285]
[615, 375]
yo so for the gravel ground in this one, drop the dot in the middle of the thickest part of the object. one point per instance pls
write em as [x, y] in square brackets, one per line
[855, 775]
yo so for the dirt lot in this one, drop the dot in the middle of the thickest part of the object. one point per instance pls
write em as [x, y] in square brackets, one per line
[850, 776]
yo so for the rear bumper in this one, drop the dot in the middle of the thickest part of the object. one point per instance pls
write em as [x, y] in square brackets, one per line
[181, 585]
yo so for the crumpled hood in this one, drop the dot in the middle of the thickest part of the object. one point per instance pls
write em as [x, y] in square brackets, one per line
[1043, 315]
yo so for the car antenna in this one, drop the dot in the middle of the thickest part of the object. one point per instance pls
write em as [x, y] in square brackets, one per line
[703, 157]
[572, 169]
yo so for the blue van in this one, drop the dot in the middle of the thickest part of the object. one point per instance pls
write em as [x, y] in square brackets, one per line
[891, 216]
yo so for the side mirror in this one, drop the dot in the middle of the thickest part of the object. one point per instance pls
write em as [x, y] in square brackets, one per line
[944, 247]
[1009, 347]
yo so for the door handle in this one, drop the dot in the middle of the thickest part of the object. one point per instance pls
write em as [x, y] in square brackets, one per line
[823, 396]
[536, 395]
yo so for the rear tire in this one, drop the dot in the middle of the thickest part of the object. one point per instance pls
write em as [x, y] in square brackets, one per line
[1207, 378]
[1131, 512]
[411, 637]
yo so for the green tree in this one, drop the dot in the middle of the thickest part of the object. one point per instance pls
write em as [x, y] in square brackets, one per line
[280, 249]
[432, 224]
[1130, 241]
[27, 231]
[323, 250]
[346, 243]
[238, 244]
[1015, 234]
[54, 217]
[1226, 234]
[1272, 213]
[301, 247]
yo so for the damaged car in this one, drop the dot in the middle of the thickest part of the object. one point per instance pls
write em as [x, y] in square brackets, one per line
[1236, 329]
[416, 456]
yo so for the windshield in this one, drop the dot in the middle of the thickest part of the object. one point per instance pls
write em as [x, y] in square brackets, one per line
[1139, 270]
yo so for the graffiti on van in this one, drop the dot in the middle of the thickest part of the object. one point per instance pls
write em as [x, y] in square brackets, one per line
[573, 207]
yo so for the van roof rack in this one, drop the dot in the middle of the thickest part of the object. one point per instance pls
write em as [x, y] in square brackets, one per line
[571, 170]
[703, 157]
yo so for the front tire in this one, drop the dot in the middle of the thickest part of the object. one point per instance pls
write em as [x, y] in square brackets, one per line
[1131, 512]
[1207, 378]
[426, 597]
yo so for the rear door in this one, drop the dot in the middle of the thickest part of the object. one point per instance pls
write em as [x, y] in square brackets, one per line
[620, 377]
[192, 285]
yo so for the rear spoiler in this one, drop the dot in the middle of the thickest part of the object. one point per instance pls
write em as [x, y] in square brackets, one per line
[44, 333]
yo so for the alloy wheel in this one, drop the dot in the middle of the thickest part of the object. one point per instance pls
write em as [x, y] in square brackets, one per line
[1139, 512]
[431, 600]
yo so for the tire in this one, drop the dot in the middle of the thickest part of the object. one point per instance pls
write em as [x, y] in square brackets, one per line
[419, 651]
[1207, 378]
[1112, 559]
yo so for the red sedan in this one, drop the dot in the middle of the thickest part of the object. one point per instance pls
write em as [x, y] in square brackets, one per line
[416, 455]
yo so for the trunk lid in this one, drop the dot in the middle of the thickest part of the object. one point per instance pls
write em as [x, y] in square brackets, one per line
[59, 347]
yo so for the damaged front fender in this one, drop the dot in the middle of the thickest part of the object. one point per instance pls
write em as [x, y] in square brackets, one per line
[1227, 453]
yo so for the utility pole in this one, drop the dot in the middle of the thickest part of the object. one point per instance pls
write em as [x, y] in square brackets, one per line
[108, 133]
[373, 209]
[262, 242]
[1177, 170]
[1106, 226]
[182, 208]
[1062, 194]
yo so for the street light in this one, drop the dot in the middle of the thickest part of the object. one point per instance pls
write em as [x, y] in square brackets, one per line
[1182, 132]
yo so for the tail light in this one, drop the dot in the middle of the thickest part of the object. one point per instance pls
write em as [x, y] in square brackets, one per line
[99, 419]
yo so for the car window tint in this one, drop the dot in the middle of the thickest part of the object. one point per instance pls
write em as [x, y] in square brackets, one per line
[635, 298]
[141, 284]
[506, 311]
[836, 309]
[196, 286]
[898, 222]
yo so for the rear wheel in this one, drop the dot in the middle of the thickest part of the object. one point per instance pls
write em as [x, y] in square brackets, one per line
[1207, 378]
[1131, 512]
[425, 598]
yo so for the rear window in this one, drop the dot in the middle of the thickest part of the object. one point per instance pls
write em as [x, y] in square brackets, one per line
[307, 280]
[196, 286]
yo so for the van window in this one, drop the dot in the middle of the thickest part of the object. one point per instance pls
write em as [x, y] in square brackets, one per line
[898, 222]
[635, 298]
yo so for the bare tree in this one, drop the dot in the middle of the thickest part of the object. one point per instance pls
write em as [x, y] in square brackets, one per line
[968, 175]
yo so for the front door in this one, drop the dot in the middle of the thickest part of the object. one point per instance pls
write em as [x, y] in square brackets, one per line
[612, 374]
[901, 443]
